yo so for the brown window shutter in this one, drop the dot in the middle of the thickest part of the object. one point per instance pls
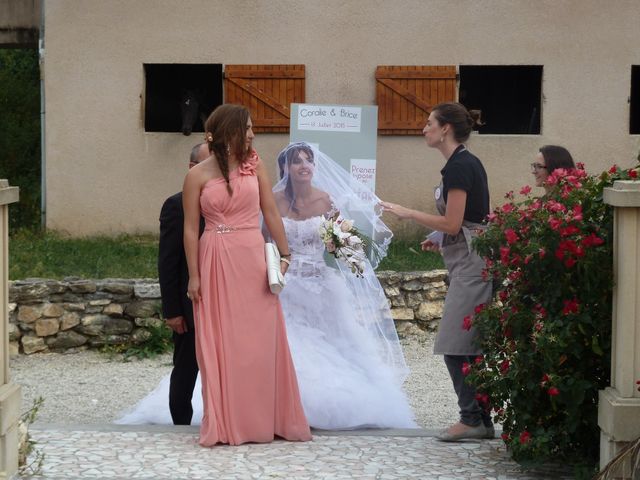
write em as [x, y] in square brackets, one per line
[267, 91]
[405, 95]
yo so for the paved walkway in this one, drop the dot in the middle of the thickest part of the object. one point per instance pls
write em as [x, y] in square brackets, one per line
[161, 452]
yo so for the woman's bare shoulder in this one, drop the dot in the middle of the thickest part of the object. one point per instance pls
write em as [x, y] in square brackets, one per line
[322, 197]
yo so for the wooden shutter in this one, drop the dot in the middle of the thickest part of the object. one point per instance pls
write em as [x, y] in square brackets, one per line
[267, 91]
[405, 95]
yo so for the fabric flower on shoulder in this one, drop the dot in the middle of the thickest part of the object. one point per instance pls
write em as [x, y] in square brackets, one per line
[249, 166]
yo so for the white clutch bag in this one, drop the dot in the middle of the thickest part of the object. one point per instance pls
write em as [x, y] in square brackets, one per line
[274, 275]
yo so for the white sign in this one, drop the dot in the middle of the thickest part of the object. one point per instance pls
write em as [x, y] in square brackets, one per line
[364, 170]
[329, 118]
[363, 174]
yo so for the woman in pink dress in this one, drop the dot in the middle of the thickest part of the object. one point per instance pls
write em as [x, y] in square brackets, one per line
[249, 388]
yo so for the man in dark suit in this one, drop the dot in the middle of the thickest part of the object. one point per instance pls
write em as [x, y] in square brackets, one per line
[176, 307]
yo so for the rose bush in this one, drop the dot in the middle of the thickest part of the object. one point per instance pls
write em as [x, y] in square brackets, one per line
[547, 335]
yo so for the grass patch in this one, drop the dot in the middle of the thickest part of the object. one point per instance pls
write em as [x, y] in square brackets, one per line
[52, 255]
[406, 256]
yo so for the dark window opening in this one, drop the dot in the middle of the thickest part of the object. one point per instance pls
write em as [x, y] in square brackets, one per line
[634, 101]
[179, 97]
[509, 97]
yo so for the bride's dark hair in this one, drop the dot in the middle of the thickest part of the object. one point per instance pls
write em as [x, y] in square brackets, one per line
[285, 159]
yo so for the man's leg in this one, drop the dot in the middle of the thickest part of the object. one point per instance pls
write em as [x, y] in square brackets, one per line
[183, 377]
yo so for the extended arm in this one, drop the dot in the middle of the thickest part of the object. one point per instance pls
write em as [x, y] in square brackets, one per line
[449, 223]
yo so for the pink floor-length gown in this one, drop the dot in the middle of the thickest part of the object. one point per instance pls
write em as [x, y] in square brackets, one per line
[249, 386]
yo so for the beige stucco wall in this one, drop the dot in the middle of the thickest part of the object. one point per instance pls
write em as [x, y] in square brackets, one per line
[105, 174]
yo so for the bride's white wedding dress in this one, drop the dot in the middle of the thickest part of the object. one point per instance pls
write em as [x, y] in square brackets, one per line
[344, 380]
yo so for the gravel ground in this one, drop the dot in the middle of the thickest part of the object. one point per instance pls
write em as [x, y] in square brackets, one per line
[90, 388]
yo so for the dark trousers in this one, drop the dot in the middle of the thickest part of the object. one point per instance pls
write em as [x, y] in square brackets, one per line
[183, 377]
[471, 413]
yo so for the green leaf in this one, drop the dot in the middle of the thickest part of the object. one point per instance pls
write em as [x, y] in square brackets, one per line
[595, 346]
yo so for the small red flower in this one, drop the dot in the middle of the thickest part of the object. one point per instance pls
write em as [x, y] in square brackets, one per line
[509, 195]
[570, 306]
[555, 223]
[504, 366]
[467, 323]
[505, 437]
[504, 255]
[569, 230]
[525, 437]
[592, 240]
[542, 252]
[545, 379]
[613, 169]
[554, 206]
[570, 262]
[527, 259]
[479, 359]
[538, 326]
[525, 190]
[508, 208]
[514, 276]
[633, 173]
[577, 213]
[466, 369]
[553, 391]
[482, 398]
[511, 236]
[478, 308]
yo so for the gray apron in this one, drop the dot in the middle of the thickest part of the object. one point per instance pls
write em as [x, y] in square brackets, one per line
[466, 287]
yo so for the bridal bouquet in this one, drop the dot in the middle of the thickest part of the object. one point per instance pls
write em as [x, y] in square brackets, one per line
[343, 241]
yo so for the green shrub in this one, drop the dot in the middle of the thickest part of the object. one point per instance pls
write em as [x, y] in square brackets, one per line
[20, 138]
[547, 337]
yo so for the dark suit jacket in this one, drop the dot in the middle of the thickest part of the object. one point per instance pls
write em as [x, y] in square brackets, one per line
[172, 262]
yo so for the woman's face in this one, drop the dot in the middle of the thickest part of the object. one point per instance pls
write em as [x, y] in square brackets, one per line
[539, 170]
[433, 131]
[301, 167]
[249, 136]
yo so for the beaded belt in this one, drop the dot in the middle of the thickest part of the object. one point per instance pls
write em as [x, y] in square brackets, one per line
[223, 228]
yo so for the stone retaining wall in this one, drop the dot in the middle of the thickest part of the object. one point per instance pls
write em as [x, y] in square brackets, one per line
[70, 314]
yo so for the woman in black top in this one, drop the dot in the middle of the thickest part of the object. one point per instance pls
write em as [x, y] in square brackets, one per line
[462, 199]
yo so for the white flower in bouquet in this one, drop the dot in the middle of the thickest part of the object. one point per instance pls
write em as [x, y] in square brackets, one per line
[344, 242]
[346, 226]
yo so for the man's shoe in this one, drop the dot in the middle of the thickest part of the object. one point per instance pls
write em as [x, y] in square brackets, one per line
[463, 432]
[491, 432]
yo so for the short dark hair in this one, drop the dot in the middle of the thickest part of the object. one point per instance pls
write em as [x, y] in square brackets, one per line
[193, 158]
[556, 157]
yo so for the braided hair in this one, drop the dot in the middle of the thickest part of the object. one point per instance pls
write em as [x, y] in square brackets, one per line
[225, 134]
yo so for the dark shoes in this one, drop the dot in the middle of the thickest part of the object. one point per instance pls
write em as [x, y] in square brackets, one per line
[460, 431]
